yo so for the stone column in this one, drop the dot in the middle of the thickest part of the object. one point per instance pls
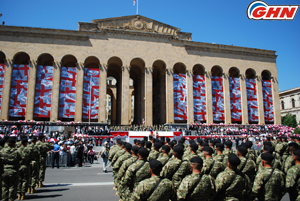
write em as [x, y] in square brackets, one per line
[125, 95]
[163, 112]
[260, 101]
[226, 92]
[31, 90]
[102, 94]
[244, 104]
[79, 92]
[208, 94]
[55, 91]
[6, 89]
[276, 101]
[169, 96]
[148, 96]
[190, 97]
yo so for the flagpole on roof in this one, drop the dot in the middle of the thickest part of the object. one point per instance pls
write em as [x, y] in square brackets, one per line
[137, 7]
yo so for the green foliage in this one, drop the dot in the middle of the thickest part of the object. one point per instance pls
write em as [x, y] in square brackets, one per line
[297, 131]
[290, 120]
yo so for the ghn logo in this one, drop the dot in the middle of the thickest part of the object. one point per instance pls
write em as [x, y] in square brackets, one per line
[259, 10]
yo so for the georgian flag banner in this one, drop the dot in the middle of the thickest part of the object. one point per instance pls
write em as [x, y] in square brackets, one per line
[268, 100]
[235, 99]
[180, 97]
[134, 2]
[217, 98]
[252, 100]
[2, 68]
[18, 91]
[90, 93]
[199, 98]
[67, 92]
[43, 91]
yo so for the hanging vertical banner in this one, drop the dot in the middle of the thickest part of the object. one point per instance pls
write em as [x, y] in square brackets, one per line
[252, 100]
[43, 91]
[180, 97]
[217, 98]
[67, 93]
[199, 98]
[2, 68]
[90, 93]
[268, 100]
[18, 91]
[235, 99]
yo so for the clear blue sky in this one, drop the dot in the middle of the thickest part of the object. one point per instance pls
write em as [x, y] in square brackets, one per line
[219, 21]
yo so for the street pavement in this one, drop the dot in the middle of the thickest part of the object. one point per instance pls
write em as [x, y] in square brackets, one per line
[79, 183]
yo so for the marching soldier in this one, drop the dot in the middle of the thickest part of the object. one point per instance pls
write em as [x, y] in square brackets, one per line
[11, 158]
[24, 170]
[34, 166]
[232, 184]
[210, 166]
[269, 182]
[136, 172]
[247, 166]
[196, 186]
[154, 188]
[155, 152]
[165, 157]
[292, 178]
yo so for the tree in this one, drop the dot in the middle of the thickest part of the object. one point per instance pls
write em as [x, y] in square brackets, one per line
[290, 120]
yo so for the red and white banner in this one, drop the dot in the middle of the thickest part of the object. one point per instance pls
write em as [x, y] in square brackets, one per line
[180, 97]
[18, 91]
[217, 98]
[199, 98]
[235, 99]
[90, 91]
[142, 134]
[43, 91]
[252, 100]
[268, 100]
[67, 92]
[2, 69]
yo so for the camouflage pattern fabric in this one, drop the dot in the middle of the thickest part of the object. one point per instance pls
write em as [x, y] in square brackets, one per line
[116, 156]
[24, 170]
[212, 171]
[249, 168]
[272, 189]
[164, 159]
[163, 192]
[153, 155]
[292, 183]
[205, 190]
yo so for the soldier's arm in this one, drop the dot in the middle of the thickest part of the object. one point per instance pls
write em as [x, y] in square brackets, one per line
[290, 179]
[114, 159]
[258, 183]
[183, 189]
[117, 164]
[220, 182]
[121, 171]
[212, 192]
[128, 176]
[138, 192]
[166, 171]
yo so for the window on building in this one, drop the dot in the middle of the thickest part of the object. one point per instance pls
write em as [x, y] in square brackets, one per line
[293, 103]
[282, 105]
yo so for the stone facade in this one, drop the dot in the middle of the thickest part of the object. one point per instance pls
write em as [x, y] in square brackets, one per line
[290, 102]
[135, 47]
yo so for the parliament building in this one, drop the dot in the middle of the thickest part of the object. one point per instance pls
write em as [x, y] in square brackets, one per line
[152, 72]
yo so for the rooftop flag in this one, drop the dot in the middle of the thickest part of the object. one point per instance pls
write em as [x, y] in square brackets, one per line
[134, 2]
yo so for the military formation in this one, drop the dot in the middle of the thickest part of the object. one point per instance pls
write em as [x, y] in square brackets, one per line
[206, 170]
[22, 166]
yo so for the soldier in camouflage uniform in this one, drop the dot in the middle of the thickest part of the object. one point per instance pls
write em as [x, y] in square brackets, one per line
[136, 172]
[193, 151]
[289, 160]
[124, 167]
[34, 166]
[154, 188]
[292, 183]
[232, 184]
[43, 149]
[220, 157]
[165, 157]
[197, 186]
[247, 166]
[119, 153]
[211, 167]
[24, 170]
[228, 148]
[120, 161]
[269, 182]
[11, 158]
[171, 145]
[2, 142]
[275, 164]
[154, 152]
[114, 149]
[176, 169]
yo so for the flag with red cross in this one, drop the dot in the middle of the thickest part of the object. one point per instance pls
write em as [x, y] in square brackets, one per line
[235, 99]
[180, 97]
[252, 100]
[199, 98]
[217, 98]
[268, 100]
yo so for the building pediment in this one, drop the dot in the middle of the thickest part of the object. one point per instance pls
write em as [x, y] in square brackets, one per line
[134, 23]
